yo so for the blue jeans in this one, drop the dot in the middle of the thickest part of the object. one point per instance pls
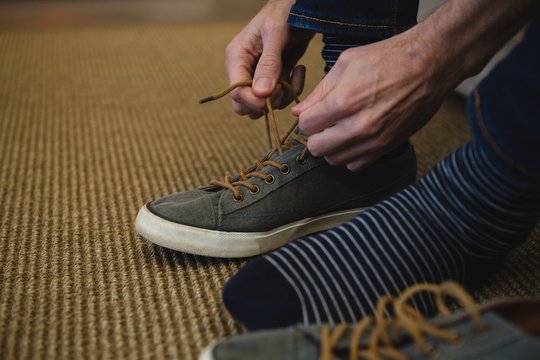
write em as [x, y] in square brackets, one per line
[368, 19]
[504, 110]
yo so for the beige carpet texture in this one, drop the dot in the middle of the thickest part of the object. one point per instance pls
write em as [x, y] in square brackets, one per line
[93, 124]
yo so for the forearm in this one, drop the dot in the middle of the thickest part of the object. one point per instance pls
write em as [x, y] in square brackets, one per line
[462, 35]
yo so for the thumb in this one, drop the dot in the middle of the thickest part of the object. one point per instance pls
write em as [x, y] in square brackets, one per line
[319, 93]
[268, 67]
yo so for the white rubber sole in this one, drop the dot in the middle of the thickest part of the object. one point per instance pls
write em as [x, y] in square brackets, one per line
[215, 243]
[206, 354]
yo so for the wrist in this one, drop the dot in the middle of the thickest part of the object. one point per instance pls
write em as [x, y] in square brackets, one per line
[429, 62]
[448, 53]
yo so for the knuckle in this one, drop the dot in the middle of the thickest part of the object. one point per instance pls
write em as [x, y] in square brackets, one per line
[269, 62]
[340, 103]
[375, 130]
[305, 128]
[366, 129]
[346, 56]
[360, 130]
[313, 148]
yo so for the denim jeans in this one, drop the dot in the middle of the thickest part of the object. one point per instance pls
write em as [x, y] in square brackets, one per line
[504, 110]
[505, 107]
[362, 18]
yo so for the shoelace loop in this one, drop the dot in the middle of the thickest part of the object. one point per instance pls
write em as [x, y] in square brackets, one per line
[272, 132]
[406, 320]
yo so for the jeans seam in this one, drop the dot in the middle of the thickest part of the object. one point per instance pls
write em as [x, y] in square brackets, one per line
[370, 26]
[496, 148]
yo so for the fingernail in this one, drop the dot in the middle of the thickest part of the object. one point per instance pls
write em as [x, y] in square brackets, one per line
[263, 84]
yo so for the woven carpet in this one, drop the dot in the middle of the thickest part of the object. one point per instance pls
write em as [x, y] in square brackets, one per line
[94, 123]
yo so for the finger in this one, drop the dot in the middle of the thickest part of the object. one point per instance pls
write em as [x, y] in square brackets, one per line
[363, 162]
[241, 109]
[332, 139]
[355, 155]
[349, 154]
[255, 116]
[320, 91]
[238, 64]
[359, 155]
[298, 79]
[269, 65]
[247, 99]
[325, 113]
[282, 97]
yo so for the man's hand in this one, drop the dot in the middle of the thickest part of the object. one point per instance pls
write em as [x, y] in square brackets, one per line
[372, 100]
[266, 50]
[378, 95]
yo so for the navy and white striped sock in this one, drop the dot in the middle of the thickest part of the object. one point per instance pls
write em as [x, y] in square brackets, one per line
[457, 222]
[334, 45]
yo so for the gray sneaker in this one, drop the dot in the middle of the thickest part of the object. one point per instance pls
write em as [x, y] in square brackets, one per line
[285, 195]
[504, 329]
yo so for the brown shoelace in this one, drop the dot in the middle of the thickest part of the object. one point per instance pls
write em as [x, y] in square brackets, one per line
[275, 143]
[406, 320]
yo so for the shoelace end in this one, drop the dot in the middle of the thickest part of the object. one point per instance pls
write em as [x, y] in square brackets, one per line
[207, 99]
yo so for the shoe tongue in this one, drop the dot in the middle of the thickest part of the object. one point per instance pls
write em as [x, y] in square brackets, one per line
[276, 156]
[289, 144]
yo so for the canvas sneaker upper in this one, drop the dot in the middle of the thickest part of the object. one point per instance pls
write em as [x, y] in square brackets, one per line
[503, 329]
[286, 194]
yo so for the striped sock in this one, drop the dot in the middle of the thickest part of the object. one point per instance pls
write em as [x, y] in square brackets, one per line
[334, 45]
[458, 222]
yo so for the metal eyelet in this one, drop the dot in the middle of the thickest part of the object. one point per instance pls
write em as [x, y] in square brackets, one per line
[255, 191]
[301, 161]
[285, 170]
[271, 180]
[238, 200]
